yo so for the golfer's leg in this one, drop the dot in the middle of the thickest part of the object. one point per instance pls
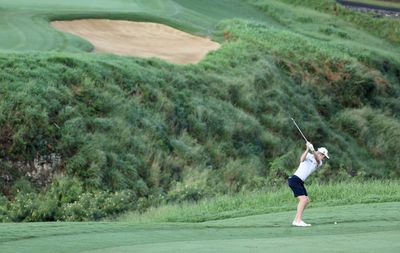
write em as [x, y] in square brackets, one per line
[303, 201]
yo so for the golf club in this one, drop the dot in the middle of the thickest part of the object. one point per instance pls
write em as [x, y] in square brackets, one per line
[299, 130]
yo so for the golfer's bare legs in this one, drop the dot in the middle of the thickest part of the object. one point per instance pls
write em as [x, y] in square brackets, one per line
[303, 202]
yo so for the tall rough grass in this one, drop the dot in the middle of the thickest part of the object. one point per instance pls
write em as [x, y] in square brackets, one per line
[270, 200]
[160, 133]
[388, 28]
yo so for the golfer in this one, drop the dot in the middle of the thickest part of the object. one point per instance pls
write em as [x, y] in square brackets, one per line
[309, 162]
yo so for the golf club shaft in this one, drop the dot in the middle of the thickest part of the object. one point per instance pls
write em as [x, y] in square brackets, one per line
[299, 130]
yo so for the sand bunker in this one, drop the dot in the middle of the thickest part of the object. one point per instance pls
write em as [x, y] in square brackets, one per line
[140, 39]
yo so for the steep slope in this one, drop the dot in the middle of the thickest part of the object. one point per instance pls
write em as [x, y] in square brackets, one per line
[106, 134]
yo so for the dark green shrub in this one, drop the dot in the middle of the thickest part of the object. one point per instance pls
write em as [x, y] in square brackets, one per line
[182, 193]
[22, 185]
[241, 175]
[283, 166]
[4, 202]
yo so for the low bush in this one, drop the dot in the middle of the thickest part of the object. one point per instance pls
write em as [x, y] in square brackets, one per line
[65, 200]
[98, 205]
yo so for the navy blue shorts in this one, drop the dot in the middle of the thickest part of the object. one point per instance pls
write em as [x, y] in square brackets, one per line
[297, 186]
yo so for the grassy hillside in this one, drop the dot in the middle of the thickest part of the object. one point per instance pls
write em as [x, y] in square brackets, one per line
[84, 136]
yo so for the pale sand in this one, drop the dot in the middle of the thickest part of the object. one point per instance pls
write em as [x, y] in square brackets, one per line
[140, 39]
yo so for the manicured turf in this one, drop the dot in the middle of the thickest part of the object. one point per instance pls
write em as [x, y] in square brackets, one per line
[25, 27]
[360, 228]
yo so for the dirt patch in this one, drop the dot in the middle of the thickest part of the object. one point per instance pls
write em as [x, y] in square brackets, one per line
[140, 39]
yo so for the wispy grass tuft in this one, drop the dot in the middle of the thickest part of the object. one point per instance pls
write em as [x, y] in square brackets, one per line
[270, 200]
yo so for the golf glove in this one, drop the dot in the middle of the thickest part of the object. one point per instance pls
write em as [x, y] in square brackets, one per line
[310, 147]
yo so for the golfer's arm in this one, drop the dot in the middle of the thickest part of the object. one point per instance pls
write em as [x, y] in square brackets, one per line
[303, 156]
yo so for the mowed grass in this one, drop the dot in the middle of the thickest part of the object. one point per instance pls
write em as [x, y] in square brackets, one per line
[359, 228]
[25, 25]
[346, 217]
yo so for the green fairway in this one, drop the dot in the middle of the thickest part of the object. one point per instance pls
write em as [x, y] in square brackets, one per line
[25, 24]
[360, 228]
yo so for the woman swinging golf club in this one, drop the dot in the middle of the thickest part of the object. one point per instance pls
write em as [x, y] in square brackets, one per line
[309, 162]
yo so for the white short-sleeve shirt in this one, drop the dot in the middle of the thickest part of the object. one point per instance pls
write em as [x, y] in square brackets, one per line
[308, 166]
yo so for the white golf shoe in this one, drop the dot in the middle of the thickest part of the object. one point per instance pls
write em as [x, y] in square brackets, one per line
[300, 224]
